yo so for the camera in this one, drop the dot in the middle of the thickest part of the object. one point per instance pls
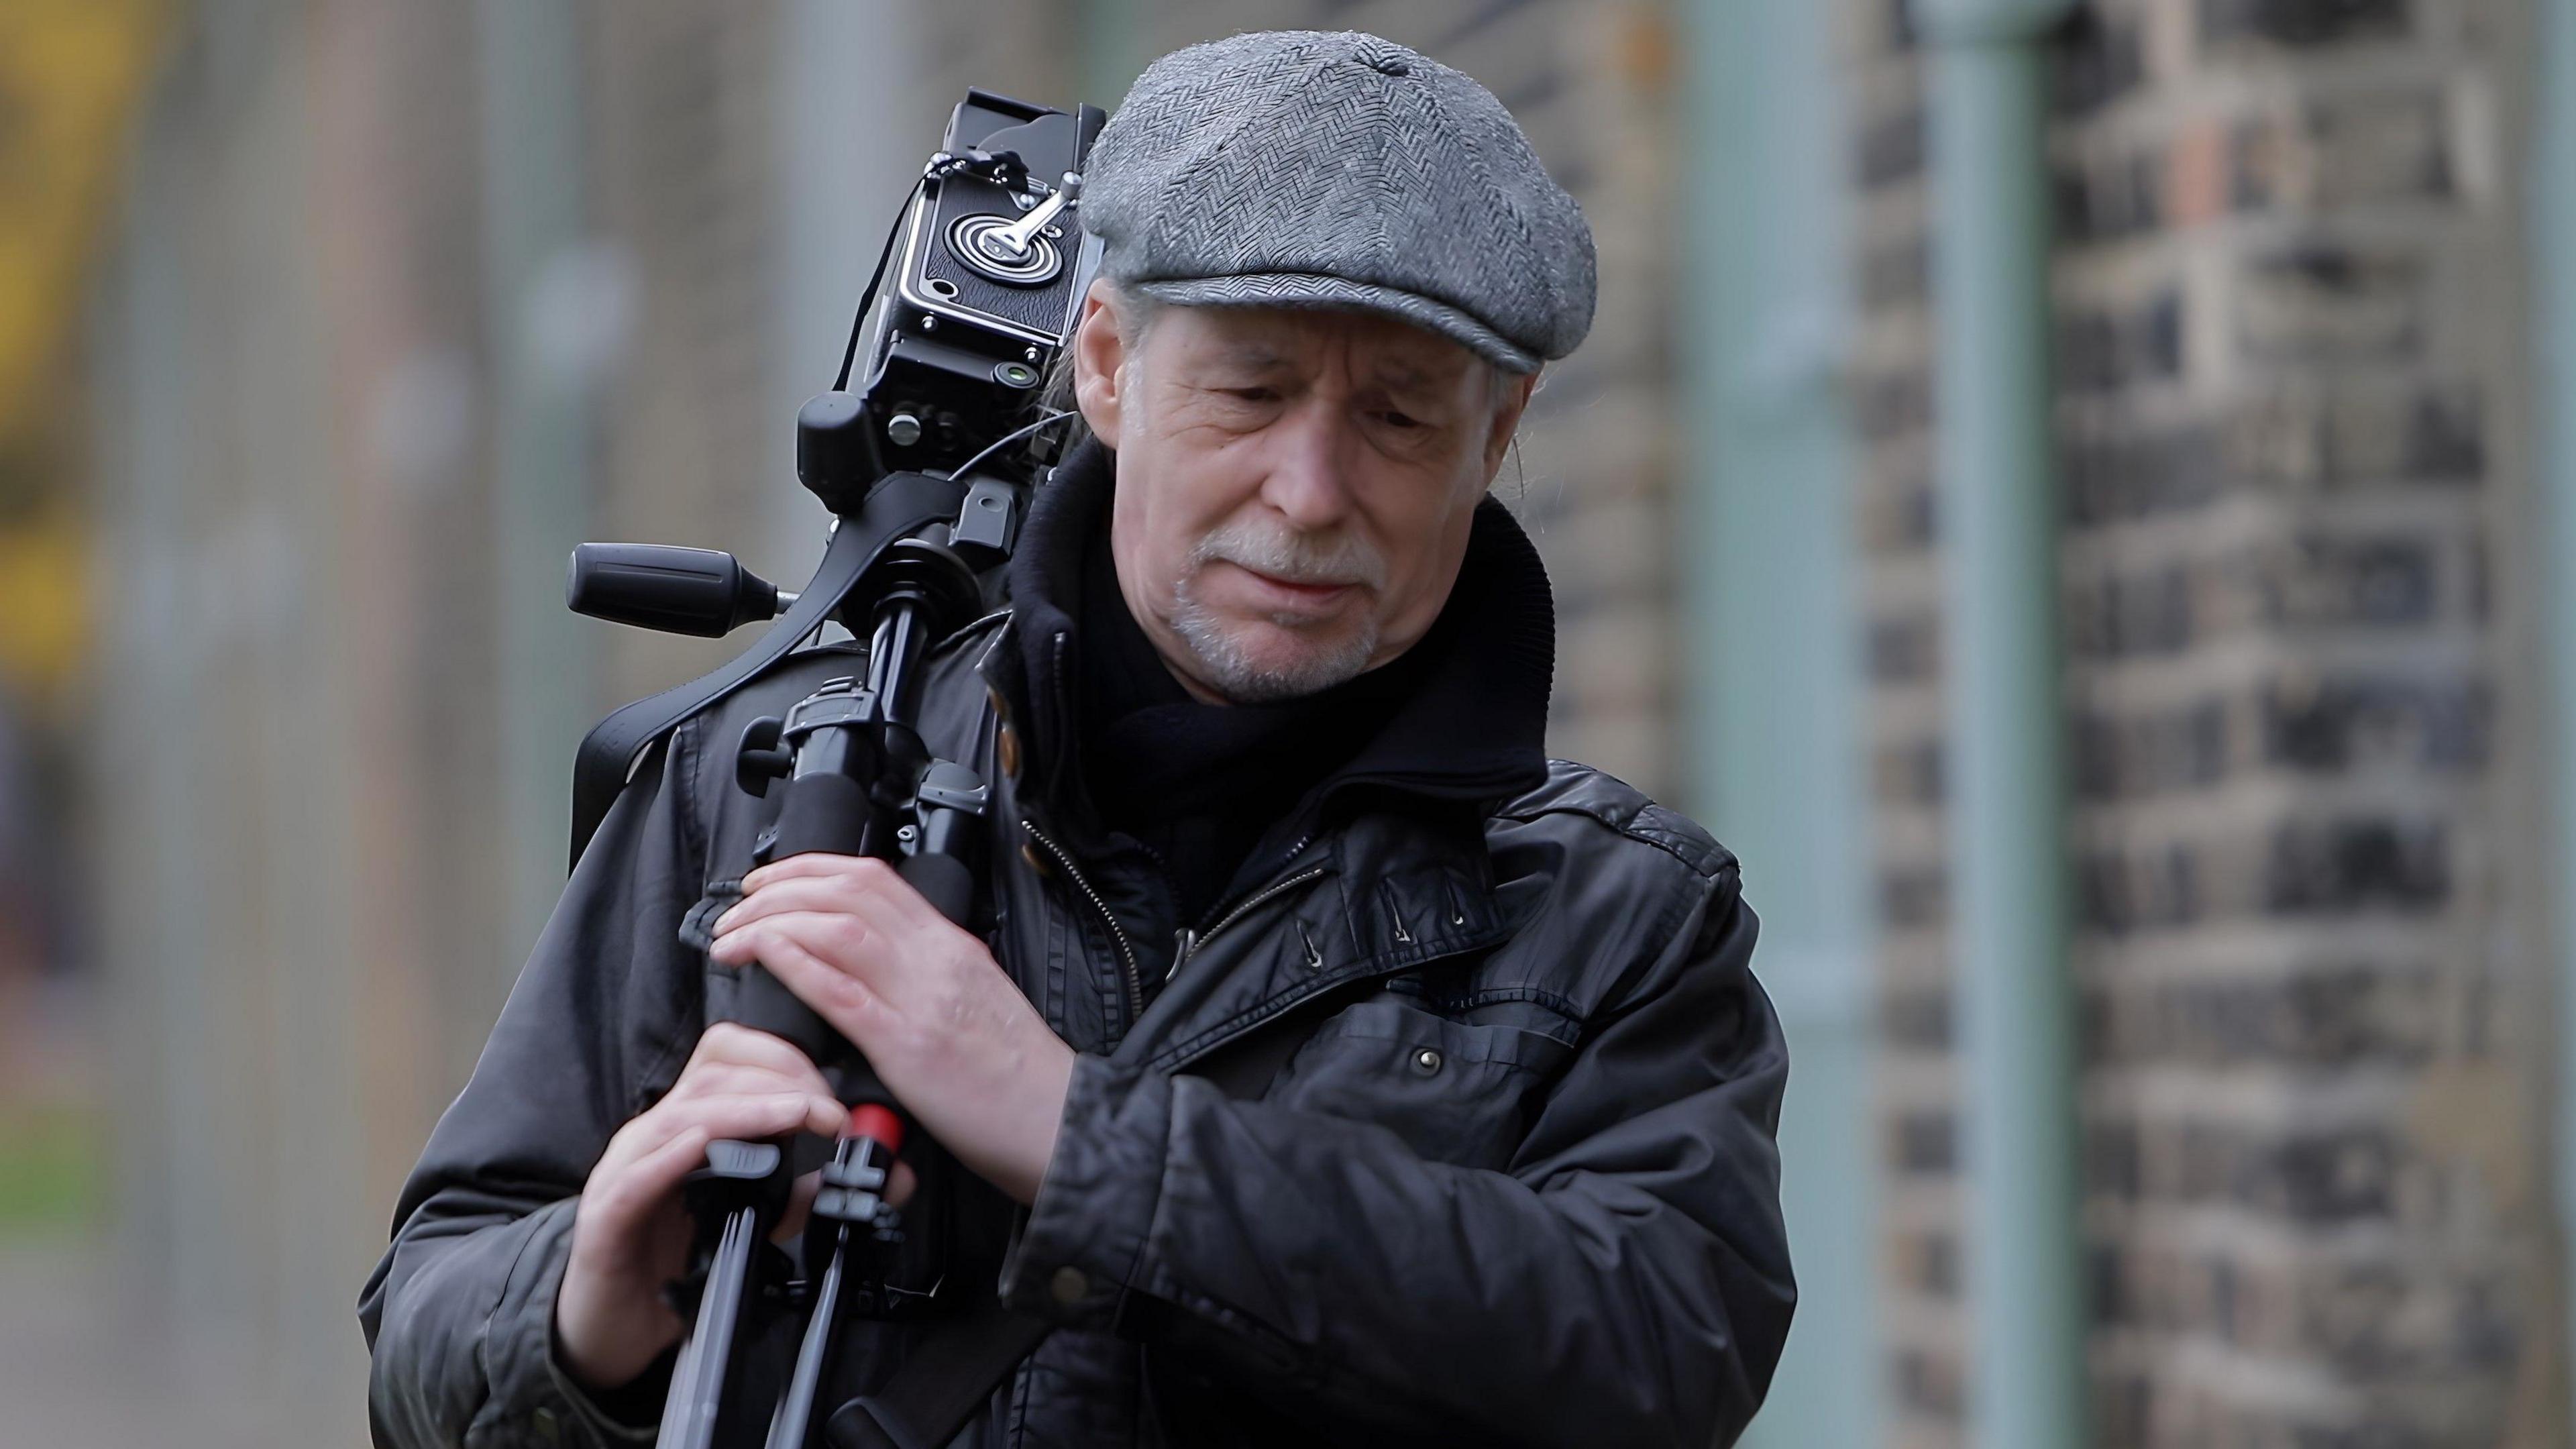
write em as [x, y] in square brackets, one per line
[990, 265]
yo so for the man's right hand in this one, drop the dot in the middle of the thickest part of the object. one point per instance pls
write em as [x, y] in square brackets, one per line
[631, 1232]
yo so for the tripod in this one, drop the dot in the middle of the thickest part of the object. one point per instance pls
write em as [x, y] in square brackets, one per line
[854, 778]
[912, 452]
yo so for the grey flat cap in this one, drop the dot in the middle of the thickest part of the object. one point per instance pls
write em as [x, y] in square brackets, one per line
[1301, 168]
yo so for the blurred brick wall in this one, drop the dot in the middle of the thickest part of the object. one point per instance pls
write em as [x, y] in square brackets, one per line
[2288, 354]
[1891, 402]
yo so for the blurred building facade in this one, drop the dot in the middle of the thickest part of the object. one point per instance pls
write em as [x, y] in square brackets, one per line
[2291, 423]
[400, 301]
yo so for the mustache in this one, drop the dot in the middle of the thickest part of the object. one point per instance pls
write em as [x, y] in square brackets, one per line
[1285, 553]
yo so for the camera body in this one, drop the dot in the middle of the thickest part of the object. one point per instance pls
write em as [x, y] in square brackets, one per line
[990, 266]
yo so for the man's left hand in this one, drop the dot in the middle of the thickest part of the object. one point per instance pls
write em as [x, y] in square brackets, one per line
[936, 1015]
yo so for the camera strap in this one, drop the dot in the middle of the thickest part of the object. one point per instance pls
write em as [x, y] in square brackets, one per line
[899, 505]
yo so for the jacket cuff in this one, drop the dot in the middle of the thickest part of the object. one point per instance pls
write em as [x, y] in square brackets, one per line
[1085, 1241]
[533, 1400]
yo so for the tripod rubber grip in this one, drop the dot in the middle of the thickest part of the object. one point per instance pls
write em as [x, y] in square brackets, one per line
[944, 881]
[822, 813]
[765, 1004]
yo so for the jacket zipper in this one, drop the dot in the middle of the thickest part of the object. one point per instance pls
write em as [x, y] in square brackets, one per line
[1193, 933]
[1191, 940]
[1117, 933]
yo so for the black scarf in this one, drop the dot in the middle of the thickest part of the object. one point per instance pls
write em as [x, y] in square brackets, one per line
[1458, 719]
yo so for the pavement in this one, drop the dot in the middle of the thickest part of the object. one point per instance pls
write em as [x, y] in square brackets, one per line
[87, 1359]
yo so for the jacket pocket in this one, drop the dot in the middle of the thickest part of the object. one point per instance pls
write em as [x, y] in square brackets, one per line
[1454, 1091]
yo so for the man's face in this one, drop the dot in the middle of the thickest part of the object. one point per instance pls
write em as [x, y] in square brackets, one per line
[1295, 487]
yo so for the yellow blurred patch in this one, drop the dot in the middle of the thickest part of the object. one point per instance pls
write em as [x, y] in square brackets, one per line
[44, 602]
[71, 72]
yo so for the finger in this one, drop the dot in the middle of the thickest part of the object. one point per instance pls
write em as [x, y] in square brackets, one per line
[883, 963]
[814, 863]
[773, 1066]
[623, 1201]
[866, 881]
[840, 939]
[902, 1183]
[750, 1119]
[731, 1041]
[842, 999]
[837, 935]
[794, 893]
[723, 1079]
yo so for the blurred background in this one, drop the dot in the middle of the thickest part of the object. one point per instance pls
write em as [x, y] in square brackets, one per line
[2078, 495]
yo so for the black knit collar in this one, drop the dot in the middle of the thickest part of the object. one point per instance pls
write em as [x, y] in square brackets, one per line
[1473, 731]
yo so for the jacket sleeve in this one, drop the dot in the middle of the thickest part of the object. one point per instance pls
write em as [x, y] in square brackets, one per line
[459, 1314]
[1625, 1282]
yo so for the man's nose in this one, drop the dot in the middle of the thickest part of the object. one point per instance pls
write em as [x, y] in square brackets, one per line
[1306, 483]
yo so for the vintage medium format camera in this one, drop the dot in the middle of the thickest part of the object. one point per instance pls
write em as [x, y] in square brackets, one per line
[990, 266]
[926, 461]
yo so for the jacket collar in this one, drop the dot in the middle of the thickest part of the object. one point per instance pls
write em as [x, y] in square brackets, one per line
[1473, 732]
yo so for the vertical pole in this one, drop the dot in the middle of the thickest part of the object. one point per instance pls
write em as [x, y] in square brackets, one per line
[2553, 285]
[1771, 710]
[530, 60]
[1113, 51]
[855, 120]
[153, 787]
[2009, 881]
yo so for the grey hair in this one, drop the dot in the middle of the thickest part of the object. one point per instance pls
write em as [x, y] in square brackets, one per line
[1136, 312]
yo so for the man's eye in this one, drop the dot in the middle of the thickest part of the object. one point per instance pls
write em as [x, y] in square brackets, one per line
[1251, 394]
[1394, 419]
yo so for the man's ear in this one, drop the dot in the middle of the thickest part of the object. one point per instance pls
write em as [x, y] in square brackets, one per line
[1099, 355]
[1512, 399]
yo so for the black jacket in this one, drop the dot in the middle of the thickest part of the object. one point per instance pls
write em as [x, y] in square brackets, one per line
[1518, 1185]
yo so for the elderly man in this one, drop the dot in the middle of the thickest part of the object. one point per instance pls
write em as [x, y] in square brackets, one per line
[1264, 726]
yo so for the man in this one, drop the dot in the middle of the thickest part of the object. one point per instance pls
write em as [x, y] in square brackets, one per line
[1264, 730]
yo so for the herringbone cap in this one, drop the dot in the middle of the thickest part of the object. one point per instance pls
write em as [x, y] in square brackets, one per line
[1300, 168]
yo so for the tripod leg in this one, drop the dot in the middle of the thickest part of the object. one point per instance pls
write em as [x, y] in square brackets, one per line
[697, 1386]
[793, 1423]
[746, 1183]
[852, 1202]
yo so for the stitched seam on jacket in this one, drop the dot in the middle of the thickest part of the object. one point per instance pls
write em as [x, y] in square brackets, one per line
[682, 764]
[1714, 862]
[1557, 1002]
[695, 839]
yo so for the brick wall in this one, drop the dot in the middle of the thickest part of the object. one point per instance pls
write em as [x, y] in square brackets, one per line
[2287, 343]
[1891, 401]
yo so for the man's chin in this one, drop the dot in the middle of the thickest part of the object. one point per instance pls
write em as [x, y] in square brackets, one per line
[1258, 662]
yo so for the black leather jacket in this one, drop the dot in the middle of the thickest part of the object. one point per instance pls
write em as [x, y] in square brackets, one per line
[1517, 1185]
